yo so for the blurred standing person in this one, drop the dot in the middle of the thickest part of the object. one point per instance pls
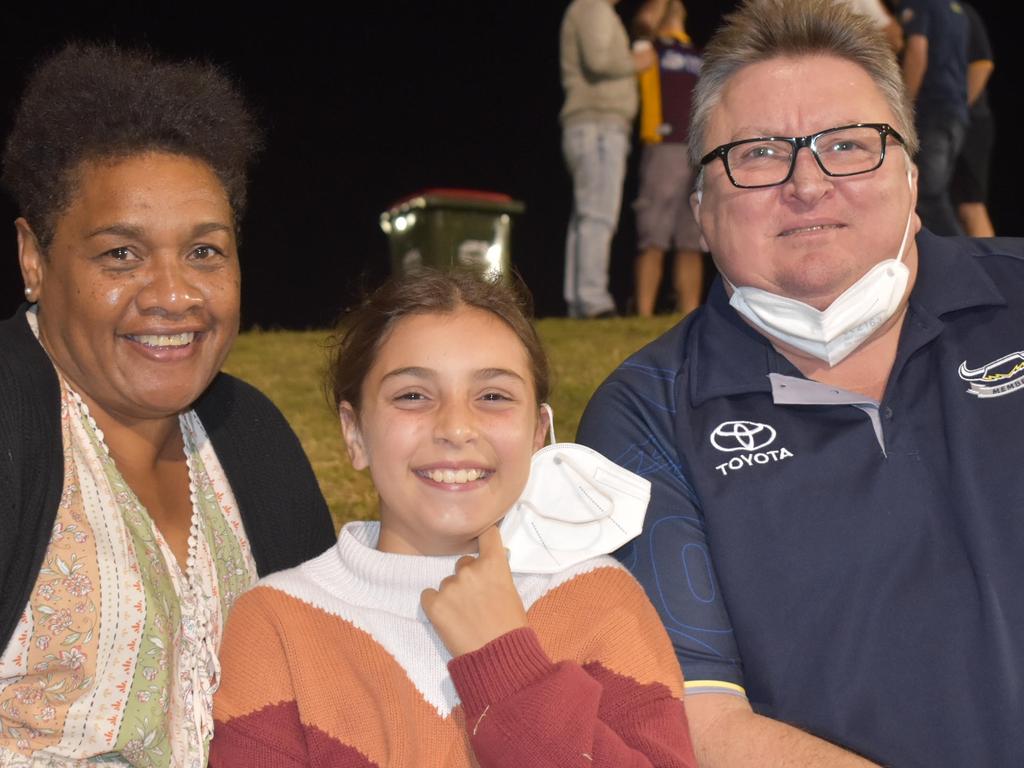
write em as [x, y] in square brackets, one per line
[935, 73]
[970, 177]
[598, 76]
[663, 215]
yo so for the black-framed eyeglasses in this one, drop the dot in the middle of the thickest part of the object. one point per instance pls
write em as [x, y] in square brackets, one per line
[767, 161]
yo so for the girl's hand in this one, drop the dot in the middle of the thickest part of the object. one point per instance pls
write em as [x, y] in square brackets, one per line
[479, 602]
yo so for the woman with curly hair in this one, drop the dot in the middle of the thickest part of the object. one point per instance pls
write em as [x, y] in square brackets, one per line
[141, 491]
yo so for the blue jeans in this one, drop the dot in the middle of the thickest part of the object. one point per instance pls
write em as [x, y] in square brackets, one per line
[941, 136]
[596, 156]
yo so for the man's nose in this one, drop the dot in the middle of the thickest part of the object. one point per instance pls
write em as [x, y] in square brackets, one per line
[808, 182]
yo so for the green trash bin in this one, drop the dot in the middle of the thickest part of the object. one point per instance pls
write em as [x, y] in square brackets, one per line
[451, 229]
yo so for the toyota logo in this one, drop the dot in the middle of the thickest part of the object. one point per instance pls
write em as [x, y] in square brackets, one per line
[742, 436]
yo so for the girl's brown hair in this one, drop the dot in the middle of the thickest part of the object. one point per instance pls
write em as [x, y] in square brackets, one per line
[364, 329]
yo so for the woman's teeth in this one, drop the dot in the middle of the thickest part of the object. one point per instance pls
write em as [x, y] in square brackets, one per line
[165, 340]
[453, 476]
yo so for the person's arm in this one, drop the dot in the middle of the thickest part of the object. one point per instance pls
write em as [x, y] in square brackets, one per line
[978, 73]
[624, 422]
[893, 33]
[916, 21]
[979, 56]
[727, 733]
[524, 709]
[255, 712]
[284, 513]
[648, 17]
[915, 64]
[882, 20]
[601, 45]
[31, 465]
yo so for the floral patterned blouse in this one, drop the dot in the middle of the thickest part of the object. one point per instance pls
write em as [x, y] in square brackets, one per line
[115, 657]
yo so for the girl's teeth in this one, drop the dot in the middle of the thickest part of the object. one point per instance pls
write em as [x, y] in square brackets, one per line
[454, 476]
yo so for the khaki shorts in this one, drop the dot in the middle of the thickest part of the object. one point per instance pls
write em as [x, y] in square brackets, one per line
[663, 216]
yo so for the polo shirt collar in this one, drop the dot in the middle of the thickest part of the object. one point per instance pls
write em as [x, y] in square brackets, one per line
[950, 277]
[731, 358]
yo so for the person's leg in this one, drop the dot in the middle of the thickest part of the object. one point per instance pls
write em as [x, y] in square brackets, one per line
[688, 279]
[975, 219]
[688, 269]
[969, 189]
[648, 278]
[941, 139]
[574, 138]
[596, 155]
[652, 234]
[665, 180]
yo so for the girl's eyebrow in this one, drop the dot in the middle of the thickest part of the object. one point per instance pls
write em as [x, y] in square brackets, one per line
[494, 373]
[419, 372]
[411, 370]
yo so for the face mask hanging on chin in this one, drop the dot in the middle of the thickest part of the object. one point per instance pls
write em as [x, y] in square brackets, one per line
[576, 505]
[829, 335]
[833, 333]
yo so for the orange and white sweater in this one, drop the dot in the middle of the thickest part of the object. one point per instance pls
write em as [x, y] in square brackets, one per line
[335, 664]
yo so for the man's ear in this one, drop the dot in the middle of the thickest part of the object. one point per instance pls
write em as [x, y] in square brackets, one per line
[695, 198]
[30, 259]
[912, 179]
[353, 435]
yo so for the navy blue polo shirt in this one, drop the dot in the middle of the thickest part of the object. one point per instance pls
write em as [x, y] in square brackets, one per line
[855, 568]
[945, 25]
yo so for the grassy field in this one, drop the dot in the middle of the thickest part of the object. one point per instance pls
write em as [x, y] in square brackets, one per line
[288, 366]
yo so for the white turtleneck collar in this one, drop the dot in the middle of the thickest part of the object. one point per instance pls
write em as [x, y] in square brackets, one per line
[355, 570]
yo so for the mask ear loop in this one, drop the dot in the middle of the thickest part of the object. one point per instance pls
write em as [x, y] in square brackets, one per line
[910, 217]
[551, 421]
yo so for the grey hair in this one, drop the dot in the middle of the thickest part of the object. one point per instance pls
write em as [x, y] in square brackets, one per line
[765, 29]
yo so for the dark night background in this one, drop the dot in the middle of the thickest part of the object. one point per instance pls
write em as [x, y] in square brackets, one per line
[365, 103]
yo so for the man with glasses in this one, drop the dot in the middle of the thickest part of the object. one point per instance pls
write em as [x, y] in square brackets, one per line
[835, 539]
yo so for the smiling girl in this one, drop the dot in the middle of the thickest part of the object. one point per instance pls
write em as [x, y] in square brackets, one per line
[411, 643]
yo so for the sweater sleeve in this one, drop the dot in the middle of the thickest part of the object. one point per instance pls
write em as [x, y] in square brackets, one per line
[282, 508]
[603, 44]
[31, 465]
[256, 717]
[597, 709]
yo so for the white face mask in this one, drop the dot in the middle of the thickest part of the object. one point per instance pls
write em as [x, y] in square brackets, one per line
[833, 333]
[576, 505]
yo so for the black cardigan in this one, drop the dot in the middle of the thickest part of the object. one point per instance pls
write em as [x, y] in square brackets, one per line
[283, 511]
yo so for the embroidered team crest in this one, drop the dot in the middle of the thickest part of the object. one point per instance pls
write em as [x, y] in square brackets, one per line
[998, 378]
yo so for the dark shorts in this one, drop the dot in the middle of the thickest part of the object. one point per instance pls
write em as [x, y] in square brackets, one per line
[663, 215]
[970, 179]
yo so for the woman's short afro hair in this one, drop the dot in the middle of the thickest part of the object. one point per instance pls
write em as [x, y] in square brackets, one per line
[99, 102]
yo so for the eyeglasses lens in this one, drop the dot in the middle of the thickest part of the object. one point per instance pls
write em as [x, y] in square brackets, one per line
[841, 152]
